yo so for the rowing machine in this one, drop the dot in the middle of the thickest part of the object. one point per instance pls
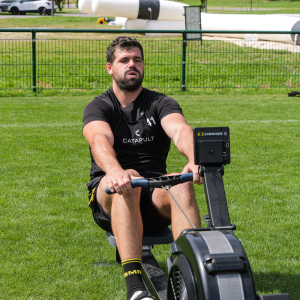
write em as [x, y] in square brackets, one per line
[205, 263]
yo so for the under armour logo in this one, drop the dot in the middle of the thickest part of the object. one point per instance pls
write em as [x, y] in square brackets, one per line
[137, 132]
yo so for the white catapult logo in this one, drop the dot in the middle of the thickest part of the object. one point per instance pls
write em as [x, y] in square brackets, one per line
[138, 139]
[149, 121]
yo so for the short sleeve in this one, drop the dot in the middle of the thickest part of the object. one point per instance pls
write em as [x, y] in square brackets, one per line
[100, 109]
[166, 106]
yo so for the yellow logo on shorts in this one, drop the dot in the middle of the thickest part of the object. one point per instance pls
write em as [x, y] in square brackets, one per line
[132, 273]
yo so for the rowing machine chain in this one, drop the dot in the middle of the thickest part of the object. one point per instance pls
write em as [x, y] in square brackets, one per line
[167, 187]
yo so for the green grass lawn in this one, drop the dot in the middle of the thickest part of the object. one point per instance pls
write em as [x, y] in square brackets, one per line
[54, 22]
[49, 241]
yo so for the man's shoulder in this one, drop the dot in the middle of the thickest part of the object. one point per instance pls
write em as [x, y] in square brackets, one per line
[102, 101]
[153, 94]
[101, 108]
[157, 97]
[162, 104]
[105, 97]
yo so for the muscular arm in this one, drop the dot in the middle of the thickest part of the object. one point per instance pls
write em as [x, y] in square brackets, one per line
[101, 139]
[177, 128]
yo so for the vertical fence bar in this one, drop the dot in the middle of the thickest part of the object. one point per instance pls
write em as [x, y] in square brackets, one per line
[33, 61]
[184, 44]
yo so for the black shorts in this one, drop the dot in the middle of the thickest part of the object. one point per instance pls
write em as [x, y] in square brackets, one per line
[153, 222]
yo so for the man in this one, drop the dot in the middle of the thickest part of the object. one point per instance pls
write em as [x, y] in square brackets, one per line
[129, 130]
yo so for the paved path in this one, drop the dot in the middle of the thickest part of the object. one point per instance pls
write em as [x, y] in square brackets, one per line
[244, 8]
[288, 15]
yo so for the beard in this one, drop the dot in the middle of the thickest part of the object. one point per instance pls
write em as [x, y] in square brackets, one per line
[129, 84]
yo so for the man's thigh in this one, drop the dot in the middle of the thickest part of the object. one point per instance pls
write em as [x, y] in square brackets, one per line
[153, 220]
[104, 199]
[100, 216]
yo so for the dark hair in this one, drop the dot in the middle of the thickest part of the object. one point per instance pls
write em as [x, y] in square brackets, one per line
[122, 43]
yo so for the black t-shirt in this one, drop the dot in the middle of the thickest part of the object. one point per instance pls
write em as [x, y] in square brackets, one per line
[140, 143]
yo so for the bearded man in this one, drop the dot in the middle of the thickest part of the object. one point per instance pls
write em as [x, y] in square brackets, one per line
[129, 129]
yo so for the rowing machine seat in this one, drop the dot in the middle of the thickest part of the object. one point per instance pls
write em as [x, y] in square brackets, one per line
[160, 238]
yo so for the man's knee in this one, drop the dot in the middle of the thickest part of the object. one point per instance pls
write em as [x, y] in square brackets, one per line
[185, 191]
[186, 188]
[130, 199]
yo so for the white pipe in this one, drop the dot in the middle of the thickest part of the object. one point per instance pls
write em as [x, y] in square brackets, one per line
[169, 15]
[221, 22]
[85, 6]
[116, 8]
[148, 25]
[135, 24]
[161, 10]
[172, 11]
[118, 22]
[168, 25]
[250, 23]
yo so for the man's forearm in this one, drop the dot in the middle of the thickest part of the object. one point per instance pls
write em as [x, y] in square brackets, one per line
[184, 142]
[104, 154]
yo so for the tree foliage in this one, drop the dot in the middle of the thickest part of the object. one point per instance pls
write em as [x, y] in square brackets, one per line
[59, 4]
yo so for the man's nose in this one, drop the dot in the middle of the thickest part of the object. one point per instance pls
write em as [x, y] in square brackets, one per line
[131, 63]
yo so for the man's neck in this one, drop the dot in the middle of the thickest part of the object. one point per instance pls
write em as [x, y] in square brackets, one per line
[126, 97]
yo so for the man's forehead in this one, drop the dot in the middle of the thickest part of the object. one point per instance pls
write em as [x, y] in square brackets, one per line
[134, 50]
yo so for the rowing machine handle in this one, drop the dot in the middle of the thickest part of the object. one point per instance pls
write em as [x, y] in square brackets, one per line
[158, 182]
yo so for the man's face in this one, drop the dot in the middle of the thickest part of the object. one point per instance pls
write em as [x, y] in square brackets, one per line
[127, 69]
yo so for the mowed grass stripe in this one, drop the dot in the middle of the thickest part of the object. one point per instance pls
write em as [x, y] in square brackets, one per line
[250, 121]
[189, 121]
[39, 125]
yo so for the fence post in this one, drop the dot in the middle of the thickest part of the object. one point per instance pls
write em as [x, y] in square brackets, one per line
[33, 62]
[184, 44]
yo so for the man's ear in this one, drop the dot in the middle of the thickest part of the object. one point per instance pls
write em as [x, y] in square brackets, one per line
[109, 68]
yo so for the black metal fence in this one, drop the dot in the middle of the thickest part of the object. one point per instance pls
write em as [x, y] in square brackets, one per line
[171, 62]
